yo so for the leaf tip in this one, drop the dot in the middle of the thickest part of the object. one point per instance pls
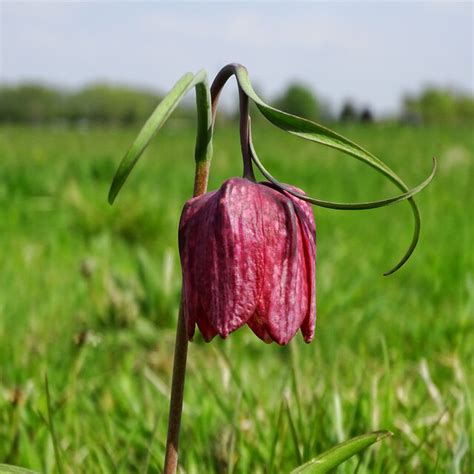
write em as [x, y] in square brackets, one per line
[383, 434]
[111, 196]
[400, 263]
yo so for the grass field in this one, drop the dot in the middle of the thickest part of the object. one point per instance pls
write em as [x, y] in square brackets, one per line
[89, 296]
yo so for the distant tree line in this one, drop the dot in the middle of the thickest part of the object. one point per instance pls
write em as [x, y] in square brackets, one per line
[97, 103]
[436, 105]
[123, 105]
[431, 106]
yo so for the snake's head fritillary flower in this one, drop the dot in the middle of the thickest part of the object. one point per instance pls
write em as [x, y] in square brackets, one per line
[248, 255]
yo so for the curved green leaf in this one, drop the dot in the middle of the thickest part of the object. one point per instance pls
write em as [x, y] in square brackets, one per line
[314, 132]
[340, 205]
[159, 116]
[340, 453]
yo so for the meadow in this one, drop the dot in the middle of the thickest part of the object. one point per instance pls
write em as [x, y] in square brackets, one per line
[89, 297]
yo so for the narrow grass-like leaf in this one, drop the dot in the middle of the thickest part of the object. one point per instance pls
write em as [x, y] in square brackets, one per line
[165, 108]
[294, 433]
[295, 383]
[276, 436]
[126, 450]
[340, 453]
[231, 461]
[318, 133]
[249, 396]
[428, 432]
[16, 469]
[52, 429]
[146, 465]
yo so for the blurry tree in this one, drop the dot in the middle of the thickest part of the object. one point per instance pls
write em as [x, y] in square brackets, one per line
[465, 108]
[299, 99]
[348, 112]
[104, 103]
[31, 103]
[366, 115]
[96, 103]
[437, 105]
[116, 104]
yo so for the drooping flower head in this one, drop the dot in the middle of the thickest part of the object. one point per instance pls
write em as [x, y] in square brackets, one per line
[248, 249]
[248, 255]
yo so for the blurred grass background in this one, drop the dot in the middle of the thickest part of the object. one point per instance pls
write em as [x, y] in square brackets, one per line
[89, 296]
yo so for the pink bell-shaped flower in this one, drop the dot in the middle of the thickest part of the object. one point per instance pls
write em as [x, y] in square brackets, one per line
[248, 256]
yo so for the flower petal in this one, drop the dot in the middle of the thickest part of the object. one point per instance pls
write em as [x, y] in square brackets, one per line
[190, 233]
[222, 255]
[308, 228]
[283, 301]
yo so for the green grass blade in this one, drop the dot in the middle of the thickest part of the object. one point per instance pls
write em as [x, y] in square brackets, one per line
[16, 469]
[52, 428]
[276, 436]
[318, 133]
[294, 434]
[340, 453]
[159, 116]
[146, 465]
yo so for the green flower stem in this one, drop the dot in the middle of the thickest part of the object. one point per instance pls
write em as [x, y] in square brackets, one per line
[181, 353]
[177, 391]
[244, 135]
[203, 149]
[218, 83]
[201, 177]
[216, 88]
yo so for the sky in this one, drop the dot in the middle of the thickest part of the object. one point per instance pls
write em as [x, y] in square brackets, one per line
[371, 52]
